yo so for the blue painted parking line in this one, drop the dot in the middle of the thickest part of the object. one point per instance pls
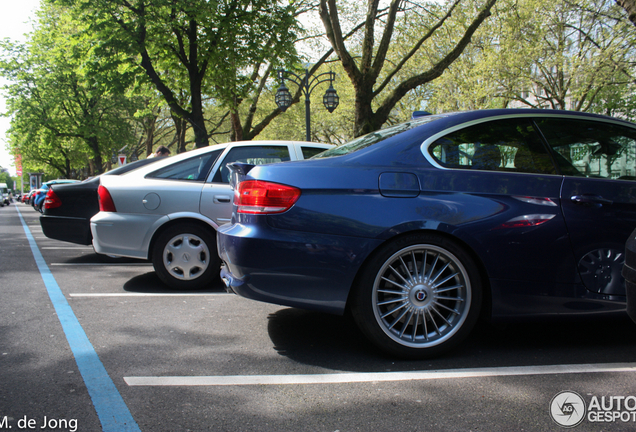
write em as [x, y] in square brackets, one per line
[111, 409]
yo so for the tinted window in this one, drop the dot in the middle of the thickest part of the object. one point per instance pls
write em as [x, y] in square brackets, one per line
[586, 148]
[501, 145]
[254, 155]
[309, 152]
[192, 169]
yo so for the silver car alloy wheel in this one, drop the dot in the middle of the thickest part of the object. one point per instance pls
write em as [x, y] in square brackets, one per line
[421, 296]
[186, 256]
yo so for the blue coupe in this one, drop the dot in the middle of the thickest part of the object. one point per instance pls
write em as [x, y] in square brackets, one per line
[419, 228]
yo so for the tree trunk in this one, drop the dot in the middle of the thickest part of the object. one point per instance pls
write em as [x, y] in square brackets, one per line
[365, 73]
[630, 8]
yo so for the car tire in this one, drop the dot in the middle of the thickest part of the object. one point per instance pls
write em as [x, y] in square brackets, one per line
[185, 256]
[418, 311]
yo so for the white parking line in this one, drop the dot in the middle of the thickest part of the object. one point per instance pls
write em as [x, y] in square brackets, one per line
[68, 247]
[102, 264]
[146, 294]
[339, 378]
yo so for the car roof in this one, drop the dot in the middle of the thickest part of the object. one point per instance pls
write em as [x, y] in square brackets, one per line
[519, 112]
[169, 160]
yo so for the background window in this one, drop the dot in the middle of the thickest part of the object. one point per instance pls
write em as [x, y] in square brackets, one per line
[254, 155]
[309, 152]
[193, 169]
[501, 145]
[588, 148]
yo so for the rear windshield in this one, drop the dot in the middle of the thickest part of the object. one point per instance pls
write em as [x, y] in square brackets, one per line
[133, 166]
[376, 137]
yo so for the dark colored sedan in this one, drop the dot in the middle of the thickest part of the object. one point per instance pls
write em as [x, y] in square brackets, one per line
[421, 227]
[68, 208]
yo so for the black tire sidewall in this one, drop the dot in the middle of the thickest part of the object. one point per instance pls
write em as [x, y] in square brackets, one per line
[211, 272]
[362, 306]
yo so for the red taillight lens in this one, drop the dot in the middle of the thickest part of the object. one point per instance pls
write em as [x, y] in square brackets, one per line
[261, 197]
[51, 200]
[526, 221]
[106, 203]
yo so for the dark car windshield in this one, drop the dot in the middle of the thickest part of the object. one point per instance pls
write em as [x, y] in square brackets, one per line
[376, 137]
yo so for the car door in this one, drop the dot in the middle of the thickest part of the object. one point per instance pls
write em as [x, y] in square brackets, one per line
[598, 195]
[216, 196]
[521, 234]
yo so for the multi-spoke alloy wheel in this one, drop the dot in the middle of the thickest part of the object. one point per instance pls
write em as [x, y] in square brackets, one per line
[420, 297]
[185, 256]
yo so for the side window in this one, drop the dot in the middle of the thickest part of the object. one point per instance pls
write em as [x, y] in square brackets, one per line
[501, 145]
[255, 155]
[587, 148]
[309, 152]
[192, 169]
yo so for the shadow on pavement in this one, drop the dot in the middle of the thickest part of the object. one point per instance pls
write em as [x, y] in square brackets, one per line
[335, 342]
[150, 283]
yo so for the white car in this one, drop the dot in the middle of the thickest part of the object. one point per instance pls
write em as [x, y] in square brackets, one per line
[169, 211]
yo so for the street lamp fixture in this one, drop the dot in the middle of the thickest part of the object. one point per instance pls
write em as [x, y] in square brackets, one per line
[331, 99]
[283, 97]
[307, 84]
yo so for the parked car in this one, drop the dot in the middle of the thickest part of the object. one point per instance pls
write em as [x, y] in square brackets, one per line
[40, 194]
[169, 212]
[5, 196]
[420, 227]
[68, 208]
[29, 196]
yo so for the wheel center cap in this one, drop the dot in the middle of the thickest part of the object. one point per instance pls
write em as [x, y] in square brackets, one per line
[186, 257]
[421, 295]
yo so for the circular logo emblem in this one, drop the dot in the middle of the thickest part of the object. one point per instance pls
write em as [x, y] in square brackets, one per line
[567, 409]
[420, 295]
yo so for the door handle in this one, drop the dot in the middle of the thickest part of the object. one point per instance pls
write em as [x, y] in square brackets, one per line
[221, 198]
[591, 200]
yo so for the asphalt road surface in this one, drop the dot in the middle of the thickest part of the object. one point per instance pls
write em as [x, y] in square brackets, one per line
[90, 343]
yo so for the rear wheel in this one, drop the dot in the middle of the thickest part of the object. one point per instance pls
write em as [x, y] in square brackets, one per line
[419, 296]
[185, 256]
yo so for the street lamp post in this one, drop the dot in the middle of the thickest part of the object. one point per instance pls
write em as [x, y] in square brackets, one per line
[307, 84]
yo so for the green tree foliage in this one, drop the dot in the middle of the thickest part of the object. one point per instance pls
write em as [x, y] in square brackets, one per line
[206, 50]
[568, 54]
[67, 98]
[366, 65]
[6, 178]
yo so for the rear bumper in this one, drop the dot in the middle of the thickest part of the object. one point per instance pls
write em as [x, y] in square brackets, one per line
[68, 229]
[304, 270]
[124, 234]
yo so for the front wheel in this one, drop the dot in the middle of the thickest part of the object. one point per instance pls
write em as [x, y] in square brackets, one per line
[419, 296]
[185, 257]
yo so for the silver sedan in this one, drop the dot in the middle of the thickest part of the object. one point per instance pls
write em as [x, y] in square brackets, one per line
[169, 211]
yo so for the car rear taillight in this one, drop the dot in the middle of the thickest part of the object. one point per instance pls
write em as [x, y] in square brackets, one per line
[106, 203]
[51, 200]
[526, 221]
[261, 197]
